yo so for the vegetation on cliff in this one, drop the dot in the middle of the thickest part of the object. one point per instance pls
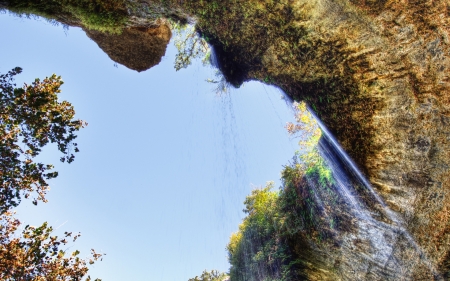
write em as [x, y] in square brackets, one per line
[105, 16]
[268, 244]
[212, 275]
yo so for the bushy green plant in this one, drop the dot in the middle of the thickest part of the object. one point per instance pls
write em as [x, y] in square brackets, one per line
[266, 247]
[96, 15]
[190, 46]
[212, 275]
[309, 132]
[254, 251]
[260, 249]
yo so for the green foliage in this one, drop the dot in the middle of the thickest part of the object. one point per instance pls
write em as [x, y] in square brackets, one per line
[257, 251]
[190, 46]
[34, 254]
[34, 116]
[30, 118]
[102, 15]
[212, 275]
[316, 167]
[309, 132]
[296, 201]
[270, 243]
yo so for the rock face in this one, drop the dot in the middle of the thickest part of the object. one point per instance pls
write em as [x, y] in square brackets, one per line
[377, 74]
[138, 48]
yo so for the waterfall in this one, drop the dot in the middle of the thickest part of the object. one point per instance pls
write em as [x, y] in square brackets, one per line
[377, 246]
[213, 57]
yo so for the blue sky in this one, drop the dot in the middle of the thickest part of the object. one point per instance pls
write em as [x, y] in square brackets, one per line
[165, 162]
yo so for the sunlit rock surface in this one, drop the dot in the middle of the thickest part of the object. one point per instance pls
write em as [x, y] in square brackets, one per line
[138, 48]
[377, 74]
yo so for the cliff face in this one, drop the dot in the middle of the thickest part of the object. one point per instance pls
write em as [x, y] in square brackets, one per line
[410, 166]
[375, 72]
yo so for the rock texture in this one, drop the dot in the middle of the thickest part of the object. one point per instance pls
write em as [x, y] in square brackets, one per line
[138, 48]
[377, 74]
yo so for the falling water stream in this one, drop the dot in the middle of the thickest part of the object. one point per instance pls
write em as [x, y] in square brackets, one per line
[378, 239]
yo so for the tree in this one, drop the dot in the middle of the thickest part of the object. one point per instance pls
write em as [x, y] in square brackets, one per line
[33, 116]
[36, 255]
[212, 275]
[30, 118]
[190, 46]
[257, 251]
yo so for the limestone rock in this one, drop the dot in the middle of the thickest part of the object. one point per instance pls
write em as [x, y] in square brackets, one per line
[138, 48]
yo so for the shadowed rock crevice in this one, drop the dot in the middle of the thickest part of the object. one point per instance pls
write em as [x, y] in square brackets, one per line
[138, 48]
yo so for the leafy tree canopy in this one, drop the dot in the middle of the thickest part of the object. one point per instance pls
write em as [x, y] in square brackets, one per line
[212, 275]
[30, 118]
[34, 254]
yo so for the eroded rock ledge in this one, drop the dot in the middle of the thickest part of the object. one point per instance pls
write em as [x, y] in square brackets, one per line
[138, 48]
